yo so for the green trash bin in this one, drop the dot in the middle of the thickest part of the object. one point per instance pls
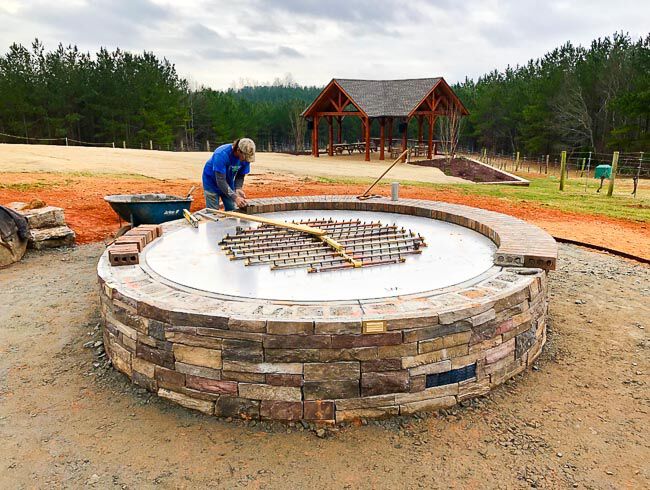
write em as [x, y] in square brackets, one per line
[603, 171]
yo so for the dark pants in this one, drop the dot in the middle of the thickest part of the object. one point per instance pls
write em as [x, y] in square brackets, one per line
[212, 201]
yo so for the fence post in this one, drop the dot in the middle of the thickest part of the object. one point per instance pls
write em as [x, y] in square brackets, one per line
[150, 145]
[562, 170]
[582, 169]
[66, 141]
[207, 145]
[635, 179]
[547, 159]
[124, 144]
[610, 189]
[113, 144]
[517, 163]
[182, 146]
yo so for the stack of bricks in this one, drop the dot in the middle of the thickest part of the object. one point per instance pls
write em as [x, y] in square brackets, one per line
[277, 361]
[126, 249]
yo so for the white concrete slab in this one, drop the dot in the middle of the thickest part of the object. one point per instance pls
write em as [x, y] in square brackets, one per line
[192, 258]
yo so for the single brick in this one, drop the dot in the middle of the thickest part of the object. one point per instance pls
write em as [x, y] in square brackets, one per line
[156, 356]
[169, 379]
[331, 371]
[186, 401]
[284, 379]
[198, 356]
[212, 385]
[266, 392]
[384, 383]
[278, 327]
[328, 390]
[380, 365]
[242, 350]
[279, 410]
[318, 410]
[369, 340]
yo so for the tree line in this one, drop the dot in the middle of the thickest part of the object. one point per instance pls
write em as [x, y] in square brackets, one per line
[594, 98]
[591, 98]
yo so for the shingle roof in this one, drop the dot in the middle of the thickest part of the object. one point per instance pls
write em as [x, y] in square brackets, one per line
[395, 98]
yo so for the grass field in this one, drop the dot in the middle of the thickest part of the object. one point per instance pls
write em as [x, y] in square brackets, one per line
[545, 191]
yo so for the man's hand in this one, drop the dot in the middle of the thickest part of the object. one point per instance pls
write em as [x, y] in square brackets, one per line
[240, 202]
[241, 193]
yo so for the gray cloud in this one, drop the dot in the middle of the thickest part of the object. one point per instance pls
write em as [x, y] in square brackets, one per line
[215, 42]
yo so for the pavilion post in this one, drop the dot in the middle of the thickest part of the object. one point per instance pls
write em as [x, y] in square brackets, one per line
[431, 119]
[316, 118]
[382, 142]
[367, 136]
[330, 136]
[390, 134]
[405, 137]
[339, 129]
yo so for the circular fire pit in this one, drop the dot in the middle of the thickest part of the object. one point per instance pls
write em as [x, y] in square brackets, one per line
[239, 319]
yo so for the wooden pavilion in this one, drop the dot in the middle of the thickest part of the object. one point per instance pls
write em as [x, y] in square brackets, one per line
[386, 101]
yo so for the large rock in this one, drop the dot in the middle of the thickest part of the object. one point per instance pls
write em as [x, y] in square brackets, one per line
[12, 246]
[45, 217]
[47, 226]
[60, 236]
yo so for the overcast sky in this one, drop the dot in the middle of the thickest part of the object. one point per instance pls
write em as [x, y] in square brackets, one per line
[217, 43]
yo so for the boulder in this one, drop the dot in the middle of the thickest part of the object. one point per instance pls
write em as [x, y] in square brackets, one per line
[12, 244]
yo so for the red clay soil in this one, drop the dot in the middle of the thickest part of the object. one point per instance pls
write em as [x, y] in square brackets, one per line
[93, 220]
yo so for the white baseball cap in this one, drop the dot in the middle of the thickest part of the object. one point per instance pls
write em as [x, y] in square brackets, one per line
[247, 147]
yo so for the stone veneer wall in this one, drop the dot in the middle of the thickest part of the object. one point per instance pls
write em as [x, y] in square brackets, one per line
[277, 361]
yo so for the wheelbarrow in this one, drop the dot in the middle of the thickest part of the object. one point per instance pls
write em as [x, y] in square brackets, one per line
[149, 209]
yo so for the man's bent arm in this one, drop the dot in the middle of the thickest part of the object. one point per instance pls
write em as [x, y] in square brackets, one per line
[239, 181]
[223, 185]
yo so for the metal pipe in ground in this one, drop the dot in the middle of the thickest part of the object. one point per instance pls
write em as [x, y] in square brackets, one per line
[394, 191]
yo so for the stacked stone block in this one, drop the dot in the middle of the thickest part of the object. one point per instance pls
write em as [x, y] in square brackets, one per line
[47, 226]
[278, 361]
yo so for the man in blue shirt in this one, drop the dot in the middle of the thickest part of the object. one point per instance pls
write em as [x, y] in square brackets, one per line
[223, 174]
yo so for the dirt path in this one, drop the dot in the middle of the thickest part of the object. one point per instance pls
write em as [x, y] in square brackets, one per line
[82, 197]
[579, 420]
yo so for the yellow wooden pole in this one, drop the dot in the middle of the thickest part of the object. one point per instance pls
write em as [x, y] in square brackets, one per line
[610, 189]
[562, 170]
[267, 221]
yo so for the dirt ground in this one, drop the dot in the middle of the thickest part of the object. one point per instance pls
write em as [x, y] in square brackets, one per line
[189, 165]
[579, 419]
[82, 197]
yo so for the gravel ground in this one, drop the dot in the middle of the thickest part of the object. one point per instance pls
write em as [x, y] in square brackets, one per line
[578, 419]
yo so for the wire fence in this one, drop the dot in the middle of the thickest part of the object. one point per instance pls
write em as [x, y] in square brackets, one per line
[632, 169]
[181, 145]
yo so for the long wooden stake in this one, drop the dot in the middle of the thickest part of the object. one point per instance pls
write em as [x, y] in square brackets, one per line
[267, 221]
[395, 162]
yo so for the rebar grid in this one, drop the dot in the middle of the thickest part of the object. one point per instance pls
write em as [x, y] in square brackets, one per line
[370, 243]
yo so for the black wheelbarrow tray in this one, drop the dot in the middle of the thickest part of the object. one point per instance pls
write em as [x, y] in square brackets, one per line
[148, 209]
